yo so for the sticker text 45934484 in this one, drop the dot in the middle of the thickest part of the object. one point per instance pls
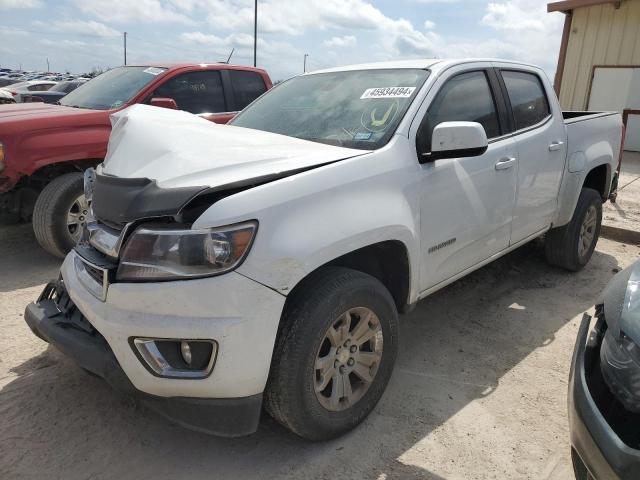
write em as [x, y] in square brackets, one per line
[388, 92]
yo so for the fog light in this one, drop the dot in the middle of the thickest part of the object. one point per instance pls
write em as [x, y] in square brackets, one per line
[176, 358]
[185, 349]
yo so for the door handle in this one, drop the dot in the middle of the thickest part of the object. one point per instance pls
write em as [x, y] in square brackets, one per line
[506, 162]
[555, 146]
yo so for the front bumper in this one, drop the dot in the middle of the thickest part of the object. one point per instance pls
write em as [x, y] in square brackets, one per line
[241, 315]
[597, 446]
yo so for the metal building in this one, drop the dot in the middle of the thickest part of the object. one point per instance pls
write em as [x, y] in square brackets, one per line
[599, 60]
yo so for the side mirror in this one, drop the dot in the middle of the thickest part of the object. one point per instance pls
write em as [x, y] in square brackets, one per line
[164, 102]
[220, 118]
[457, 139]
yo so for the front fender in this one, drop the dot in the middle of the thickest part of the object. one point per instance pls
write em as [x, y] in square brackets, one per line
[312, 218]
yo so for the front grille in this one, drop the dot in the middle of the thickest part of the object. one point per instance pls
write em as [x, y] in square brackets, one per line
[70, 316]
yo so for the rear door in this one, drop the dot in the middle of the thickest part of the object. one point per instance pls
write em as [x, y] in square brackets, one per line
[465, 203]
[541, 144]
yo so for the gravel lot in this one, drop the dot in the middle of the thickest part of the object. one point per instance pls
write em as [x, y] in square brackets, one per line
[479, 390]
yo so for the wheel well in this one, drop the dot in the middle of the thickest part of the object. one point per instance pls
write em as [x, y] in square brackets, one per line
[47, 173]
[597, 179]
[26, 191]
[387, 261]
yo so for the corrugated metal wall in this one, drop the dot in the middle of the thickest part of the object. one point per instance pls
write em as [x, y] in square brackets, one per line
[600, 35]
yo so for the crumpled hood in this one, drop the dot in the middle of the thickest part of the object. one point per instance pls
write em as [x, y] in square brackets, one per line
[178, 149]
[622, 303]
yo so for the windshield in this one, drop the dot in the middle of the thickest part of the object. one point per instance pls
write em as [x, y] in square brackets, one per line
[356, 109]
[112, 89]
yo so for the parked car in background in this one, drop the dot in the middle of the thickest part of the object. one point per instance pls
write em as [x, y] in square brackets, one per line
[52, 95]
[47, 147]
[6, 97]
[10, 79]
[28, 88]
[266, 261]
[604, 384]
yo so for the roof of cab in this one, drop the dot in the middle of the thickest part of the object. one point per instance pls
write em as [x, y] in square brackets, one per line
[194, 65]
[421, 63]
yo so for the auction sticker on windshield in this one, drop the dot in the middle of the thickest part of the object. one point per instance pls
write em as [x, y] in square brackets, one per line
[388, 92]
[154, 70]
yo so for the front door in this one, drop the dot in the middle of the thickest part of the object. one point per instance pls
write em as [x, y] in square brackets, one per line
[466, 203]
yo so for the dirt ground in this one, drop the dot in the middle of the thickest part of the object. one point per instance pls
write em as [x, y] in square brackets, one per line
[479, 390]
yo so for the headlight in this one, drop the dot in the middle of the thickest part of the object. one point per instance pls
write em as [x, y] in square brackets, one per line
[170, 254]
[620, 366]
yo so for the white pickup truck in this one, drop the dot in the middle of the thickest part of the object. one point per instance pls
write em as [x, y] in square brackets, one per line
[264, 263]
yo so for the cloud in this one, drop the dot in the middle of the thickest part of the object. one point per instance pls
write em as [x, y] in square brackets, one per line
[20, 4]
[89, 27]
[516, 15]
[130, 11]
[429, 25]
[346, 41]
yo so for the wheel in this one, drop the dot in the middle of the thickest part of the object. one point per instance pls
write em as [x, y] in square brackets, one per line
[572, 245]
[59, 214]
[334, 354]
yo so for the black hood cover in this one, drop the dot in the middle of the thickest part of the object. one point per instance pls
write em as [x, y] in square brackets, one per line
[118, 201]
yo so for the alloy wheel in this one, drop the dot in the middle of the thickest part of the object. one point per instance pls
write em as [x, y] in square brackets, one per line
[348, 359]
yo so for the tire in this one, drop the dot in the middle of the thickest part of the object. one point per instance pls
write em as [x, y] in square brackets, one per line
[563, 244]
[51, 210]
[332, 295]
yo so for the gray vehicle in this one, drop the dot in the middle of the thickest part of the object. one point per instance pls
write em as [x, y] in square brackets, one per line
[604, 384]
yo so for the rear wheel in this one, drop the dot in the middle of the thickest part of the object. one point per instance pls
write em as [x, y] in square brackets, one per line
[334, 354]
[572, 245]
[60, 213]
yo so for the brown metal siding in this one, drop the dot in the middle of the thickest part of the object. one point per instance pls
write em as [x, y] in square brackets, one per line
[600, 35]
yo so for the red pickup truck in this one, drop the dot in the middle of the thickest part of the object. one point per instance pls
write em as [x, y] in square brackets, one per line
[44, 148]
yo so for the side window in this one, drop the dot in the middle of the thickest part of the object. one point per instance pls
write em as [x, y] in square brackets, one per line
[247, 86]
[466, 97]
[528, 100]
[195, 92]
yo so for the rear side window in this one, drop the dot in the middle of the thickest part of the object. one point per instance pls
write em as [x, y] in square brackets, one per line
[528, 100]
[466, 97]
[247, 86]
[195, 92]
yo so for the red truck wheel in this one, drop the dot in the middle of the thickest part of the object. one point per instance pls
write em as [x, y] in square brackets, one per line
[60, 213]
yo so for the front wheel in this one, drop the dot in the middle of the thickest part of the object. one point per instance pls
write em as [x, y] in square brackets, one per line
[334, 354]
[60, 214]
[572, 245]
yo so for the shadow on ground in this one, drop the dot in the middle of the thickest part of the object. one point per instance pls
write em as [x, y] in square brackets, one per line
[23, 263]
[455, 347]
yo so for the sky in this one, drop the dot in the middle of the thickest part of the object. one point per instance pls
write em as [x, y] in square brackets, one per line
[79, 35]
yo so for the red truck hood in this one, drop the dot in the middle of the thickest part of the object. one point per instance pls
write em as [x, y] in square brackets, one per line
[27, 111]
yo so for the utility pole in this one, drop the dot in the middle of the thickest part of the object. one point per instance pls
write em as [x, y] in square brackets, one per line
[125, 47]
[48, 68]
[304, 66]
[255, 34]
